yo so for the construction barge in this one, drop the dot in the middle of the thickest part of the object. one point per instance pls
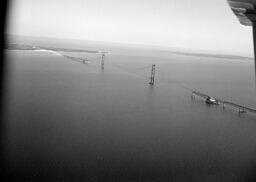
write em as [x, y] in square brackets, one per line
[215, 101]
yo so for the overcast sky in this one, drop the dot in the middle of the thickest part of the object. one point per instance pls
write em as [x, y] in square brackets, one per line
[193, 24]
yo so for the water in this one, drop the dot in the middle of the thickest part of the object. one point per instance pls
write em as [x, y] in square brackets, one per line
[71, 121]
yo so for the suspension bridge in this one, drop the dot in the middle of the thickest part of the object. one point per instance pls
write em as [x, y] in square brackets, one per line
[208, 99]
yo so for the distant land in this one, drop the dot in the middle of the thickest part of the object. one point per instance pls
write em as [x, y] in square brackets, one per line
[33, 47]
[225, 56]
[14, 44]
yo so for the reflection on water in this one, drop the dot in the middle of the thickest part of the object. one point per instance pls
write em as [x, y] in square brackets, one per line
[69, 121]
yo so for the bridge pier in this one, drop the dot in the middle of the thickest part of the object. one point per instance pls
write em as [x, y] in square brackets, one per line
[193, 96]
[241, 110]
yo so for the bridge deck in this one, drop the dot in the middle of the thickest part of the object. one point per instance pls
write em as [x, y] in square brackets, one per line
[228, 103]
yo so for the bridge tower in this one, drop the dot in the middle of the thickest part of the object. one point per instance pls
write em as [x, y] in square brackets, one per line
[102, 61]
[152, 77]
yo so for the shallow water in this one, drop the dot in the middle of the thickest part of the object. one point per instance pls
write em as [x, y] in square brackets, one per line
[71, 121]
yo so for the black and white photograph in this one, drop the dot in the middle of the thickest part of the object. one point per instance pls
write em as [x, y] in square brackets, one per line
[128, 91]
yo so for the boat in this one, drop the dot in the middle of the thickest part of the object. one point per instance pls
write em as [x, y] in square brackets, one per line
[211, 100]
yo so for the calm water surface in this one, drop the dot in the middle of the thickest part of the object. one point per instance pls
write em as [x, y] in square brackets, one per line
[71, 121]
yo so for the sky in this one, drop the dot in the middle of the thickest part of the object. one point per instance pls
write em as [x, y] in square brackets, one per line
[208, 25]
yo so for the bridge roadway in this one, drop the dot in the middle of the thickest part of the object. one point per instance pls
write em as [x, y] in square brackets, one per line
[241, 108]
[81, 60]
